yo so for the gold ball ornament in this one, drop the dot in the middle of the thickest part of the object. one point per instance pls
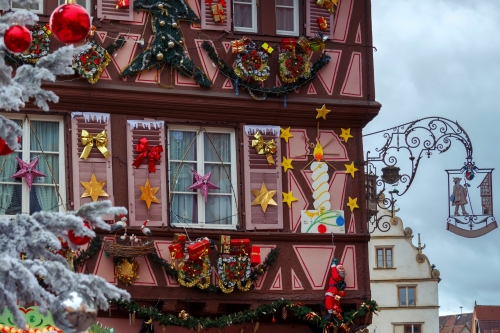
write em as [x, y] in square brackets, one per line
[162, 23]
[159, 56]
[163, 38]
[80, 309]
[171, 44]
[181, 42]
[160, 6]
[174, 25]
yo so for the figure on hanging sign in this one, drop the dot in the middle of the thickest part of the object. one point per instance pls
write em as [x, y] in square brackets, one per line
[168, 46]
[459, 196]
[477, 219]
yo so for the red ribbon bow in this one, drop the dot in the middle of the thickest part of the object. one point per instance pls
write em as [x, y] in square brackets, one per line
[153, 154]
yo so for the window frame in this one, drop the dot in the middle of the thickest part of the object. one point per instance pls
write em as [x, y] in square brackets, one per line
[406, 287]
[384, 248]
[25, 151]
[36, 11]
[295, 31]
[405, 326]
[87, 6]
[200, 166]
[254, 27]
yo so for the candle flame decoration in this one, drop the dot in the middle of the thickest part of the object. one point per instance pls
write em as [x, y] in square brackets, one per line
[318, 152]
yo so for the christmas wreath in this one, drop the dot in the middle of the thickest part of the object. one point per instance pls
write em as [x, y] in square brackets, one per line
[192, 272]
[90, 64]
[234, 271]
[39, 46]
[252, 63]
[293, 67]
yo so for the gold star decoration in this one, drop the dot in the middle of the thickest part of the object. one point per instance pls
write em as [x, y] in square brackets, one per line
[93, 188]
[353, 203]
[350, 168]
[346, 134]
[286, 164]
[285, 134]
[263, 197]
[288, 198]
[149, 194]
[322, 112]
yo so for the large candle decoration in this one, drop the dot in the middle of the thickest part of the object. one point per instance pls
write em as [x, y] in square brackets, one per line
[320, 179]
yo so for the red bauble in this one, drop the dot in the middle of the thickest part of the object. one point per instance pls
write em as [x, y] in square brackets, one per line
[4, 148]
[273, 320]
[17, 39]
[79, 240]
[70, 23]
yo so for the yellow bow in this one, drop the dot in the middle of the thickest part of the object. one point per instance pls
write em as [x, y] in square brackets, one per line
[101, 140]
[262, 147]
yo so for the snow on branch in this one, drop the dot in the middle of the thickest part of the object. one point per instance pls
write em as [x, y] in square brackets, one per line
[37, 237]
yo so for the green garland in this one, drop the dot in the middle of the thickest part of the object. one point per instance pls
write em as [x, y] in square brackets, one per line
[301, 312]
[228, 71]
[90, 252]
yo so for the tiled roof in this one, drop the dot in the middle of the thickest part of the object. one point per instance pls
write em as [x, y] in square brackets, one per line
[455, 323]
[487, 312]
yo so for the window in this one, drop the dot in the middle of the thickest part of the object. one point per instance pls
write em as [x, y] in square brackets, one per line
[245, 15]
[202, 150]
[287, 17]
[84, 3]
[414, 328]
[34, 7]
[384, 257]
[43, 138]
[407, 296]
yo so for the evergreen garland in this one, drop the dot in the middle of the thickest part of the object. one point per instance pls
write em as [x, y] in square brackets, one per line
[90, 252]
[228, 71]
[264, 311]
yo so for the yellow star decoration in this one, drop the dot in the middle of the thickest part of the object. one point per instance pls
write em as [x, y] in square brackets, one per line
[285, 134]
[346, 134]
[322, 112]
[353, 203]
[288, 198]
[350, 168]
[263, 197]
[149, 194]
[93, 188]
[286, 164]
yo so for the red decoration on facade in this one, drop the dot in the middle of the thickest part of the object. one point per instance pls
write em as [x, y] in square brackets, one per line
[122, 4]
[70, 23]
[176, 251]
[17, 39]
[335, 292]
[4, 148]
[323, 23]
[198, 249]
[79, 240]
[288, 43]
[153, 154]
[255, 255]
[240, 246]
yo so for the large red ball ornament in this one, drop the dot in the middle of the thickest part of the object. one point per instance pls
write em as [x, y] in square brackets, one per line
[17, 39]
[79, 240]
[70, 23]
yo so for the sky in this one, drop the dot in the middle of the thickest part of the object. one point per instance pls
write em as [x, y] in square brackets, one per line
[442, 58]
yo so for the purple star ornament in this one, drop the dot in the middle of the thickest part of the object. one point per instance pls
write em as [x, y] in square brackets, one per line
[28, 171]
[203, 184]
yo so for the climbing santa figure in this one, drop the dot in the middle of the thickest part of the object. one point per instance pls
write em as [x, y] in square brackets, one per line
[335, 292]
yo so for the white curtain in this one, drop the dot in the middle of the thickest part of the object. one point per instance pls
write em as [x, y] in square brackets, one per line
[45, 197]
[284, 15]
[242, 17]
[6, 190]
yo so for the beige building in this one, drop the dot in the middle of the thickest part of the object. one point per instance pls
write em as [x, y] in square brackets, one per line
[402, 280]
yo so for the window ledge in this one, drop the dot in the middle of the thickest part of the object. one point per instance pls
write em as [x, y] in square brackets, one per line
[204, 226]
[384, 268]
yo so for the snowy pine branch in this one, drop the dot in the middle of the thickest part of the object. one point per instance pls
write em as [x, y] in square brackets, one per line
[10, 131]
[37, 237]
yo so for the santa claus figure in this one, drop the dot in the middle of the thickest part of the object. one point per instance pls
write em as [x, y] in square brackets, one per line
[335, 292]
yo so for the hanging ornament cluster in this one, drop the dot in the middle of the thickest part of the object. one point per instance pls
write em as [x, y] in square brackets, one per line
[39, 46]
[70, 22]
[89, 64]
[294, 63]
[17, 39]
[252, 61]
[27, 171]
[330, 5]
[195, 269]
